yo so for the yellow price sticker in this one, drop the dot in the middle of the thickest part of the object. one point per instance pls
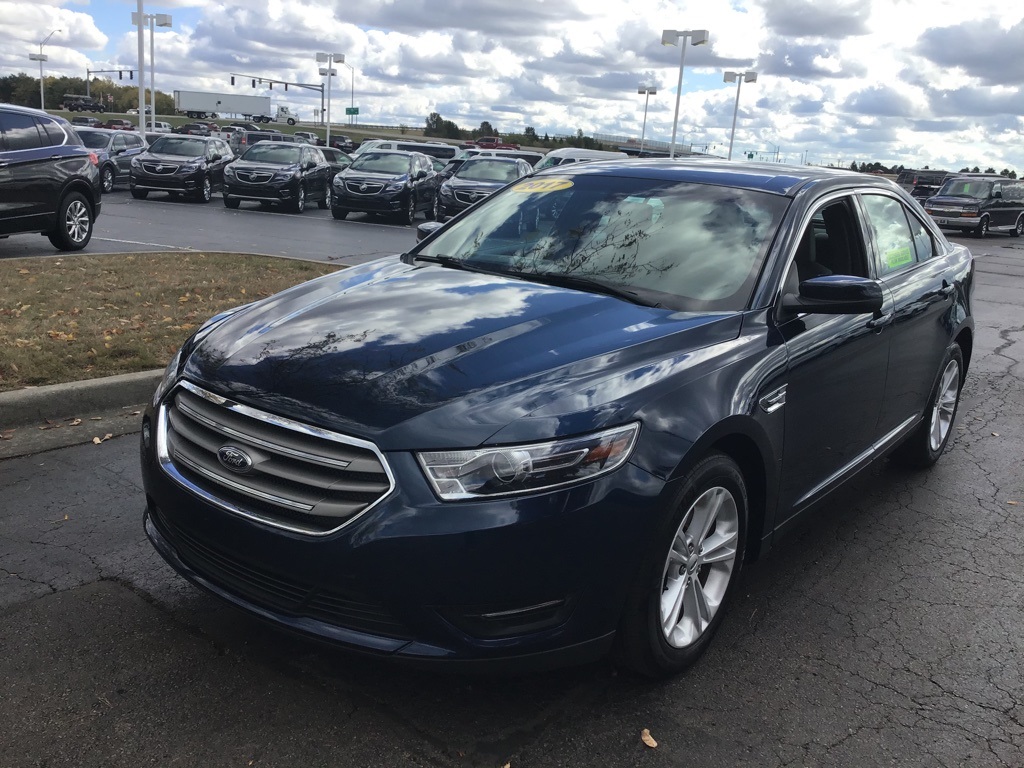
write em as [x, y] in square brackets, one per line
[542, 185]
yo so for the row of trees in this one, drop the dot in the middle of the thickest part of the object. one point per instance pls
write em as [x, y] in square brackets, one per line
[116, 95]
[877, 167]
[447, 129]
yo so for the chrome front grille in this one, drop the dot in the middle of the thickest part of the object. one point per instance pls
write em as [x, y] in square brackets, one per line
[468, 198]
[363, 187]
[280, 472]
[160, 168]
[254, 177]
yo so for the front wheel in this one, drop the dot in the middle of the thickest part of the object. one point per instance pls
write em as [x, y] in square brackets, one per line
[231, 202]
[929, 440]
[339, 213]
[299, 203]
[689, 573]
[982, 229]
[205, 192]
[438, 216]
[291, 121]
[326, 202]
[1018, 228]
[73, 228]
[409, 213]
[140, 194]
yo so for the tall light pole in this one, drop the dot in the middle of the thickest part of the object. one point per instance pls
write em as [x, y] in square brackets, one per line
[155, 20]
[648, 90]
[41, 57]
[139, 20]
[352, 77]
[329, 72]
[672, 37]
[739, 78]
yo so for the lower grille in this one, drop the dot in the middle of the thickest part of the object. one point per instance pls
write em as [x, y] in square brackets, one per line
[276, 471]
[280, 593]
[160, 168]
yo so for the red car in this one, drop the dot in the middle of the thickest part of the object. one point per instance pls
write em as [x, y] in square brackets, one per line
[118, 124]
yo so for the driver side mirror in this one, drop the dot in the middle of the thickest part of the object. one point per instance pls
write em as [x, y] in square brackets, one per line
[836, 295]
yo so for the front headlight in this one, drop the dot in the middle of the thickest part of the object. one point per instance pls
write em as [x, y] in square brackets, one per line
[446, 192]
[229, 172]
[190, 167]
[518, 469]
[170, 376]
[395, 186]
[339, 181]
[136, 163]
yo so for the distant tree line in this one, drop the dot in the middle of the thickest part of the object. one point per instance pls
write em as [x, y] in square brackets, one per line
[116, 95]
[896, 169]
[447, 129]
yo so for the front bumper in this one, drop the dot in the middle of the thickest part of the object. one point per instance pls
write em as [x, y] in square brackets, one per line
[381, 202]
[176, 182]
[532, 580]
[954, 219]
[269, 192]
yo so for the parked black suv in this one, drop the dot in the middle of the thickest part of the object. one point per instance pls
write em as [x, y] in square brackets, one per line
[188, 165]
[49, 182]
[115, 150]
[979, 203]
[389, 182]
[275, 172]
[477, 178]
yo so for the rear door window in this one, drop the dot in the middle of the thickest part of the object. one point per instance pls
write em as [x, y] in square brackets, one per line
[20, 132]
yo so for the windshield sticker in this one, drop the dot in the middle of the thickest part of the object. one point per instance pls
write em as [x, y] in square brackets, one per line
[542, 185]
[899, 257]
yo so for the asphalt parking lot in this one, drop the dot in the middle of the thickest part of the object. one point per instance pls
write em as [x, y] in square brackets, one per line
[887, 631]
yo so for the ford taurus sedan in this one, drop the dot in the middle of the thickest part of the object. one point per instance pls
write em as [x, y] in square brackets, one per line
[561, 424]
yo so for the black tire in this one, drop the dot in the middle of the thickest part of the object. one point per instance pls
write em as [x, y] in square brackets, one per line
[339, 213]
[436, 210]
[431, 213]
[299, 202]
[1018, 228]
[326, 202]
[981, 230]
[925, 444]
[205, 192]
[140, 194]
[408, 214]
[291, 121]
[107, 178]
[73, 227]
[655, 646]
[231, 202]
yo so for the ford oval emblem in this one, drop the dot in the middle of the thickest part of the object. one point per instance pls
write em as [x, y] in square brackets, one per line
[234, 459]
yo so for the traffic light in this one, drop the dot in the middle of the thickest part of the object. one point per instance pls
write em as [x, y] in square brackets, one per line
[254, 83]
[131, 74]
[286, 86]
[120, 74]
[232, 79]
[271, 85]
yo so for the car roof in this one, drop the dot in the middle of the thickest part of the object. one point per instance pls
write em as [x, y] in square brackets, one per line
[26, 110]
[766, 177]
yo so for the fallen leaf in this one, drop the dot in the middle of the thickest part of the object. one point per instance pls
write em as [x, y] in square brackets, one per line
[23, 272]
[1013, 503]
[95, 418]
[645, 736]
[96, 441]
[75, 422]
[995, 434]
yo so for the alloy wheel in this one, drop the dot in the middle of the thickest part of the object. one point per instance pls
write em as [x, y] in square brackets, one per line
[76, 221]
[699, 567]
[945, 405]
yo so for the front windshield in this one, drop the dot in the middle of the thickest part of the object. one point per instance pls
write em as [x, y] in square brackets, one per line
[381, 162]
[488, 170]
[691, 247]
[94, 140]
[276, 153]
[178, 145]
[979, 190]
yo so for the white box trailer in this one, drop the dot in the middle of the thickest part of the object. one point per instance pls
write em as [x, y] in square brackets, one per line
[199, 104]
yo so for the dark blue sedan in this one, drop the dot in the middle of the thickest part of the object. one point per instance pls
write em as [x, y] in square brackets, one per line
[561, 423]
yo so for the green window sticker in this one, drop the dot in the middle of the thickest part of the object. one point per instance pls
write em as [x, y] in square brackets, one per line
[898, 257]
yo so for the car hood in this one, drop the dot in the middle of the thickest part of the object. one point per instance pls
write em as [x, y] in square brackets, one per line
[958, 200]
[455, 184]
[354, 176]
[175, 159]
[422, 356]
[251, 165]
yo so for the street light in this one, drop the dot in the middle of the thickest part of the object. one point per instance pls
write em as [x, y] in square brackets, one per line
[329, 72]
[739, 78]
[672, 37]
[648, 90]
[41, 57]
[352, 77]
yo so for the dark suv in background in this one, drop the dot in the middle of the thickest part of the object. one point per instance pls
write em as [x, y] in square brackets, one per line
[272, 172]
[49, 182]
[389, 182]
[979, 203]
[181, 165]
[115, 150]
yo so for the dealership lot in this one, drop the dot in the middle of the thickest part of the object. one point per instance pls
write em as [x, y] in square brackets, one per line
[887, 631]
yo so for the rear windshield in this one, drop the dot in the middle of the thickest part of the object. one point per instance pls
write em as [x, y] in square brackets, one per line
[690, 247]
[178, 145]
[94, 140]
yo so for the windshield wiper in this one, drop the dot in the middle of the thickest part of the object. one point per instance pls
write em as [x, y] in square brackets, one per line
[444, 261]
[587, 284]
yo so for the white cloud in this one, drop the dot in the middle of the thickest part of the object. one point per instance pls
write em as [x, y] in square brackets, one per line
[917, 82]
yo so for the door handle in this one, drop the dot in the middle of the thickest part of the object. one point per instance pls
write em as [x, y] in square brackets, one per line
[946, 289]
[879, 323]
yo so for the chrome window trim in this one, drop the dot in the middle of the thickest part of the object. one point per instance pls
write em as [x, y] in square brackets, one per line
[166, 463]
